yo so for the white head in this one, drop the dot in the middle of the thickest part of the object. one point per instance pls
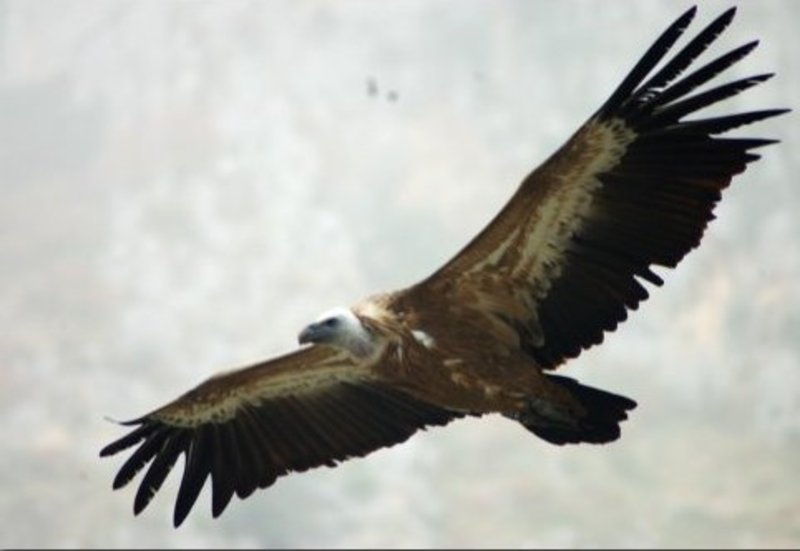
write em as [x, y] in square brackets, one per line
[339, 327]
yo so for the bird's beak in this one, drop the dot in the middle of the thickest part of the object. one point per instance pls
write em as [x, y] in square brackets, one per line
[307, 335]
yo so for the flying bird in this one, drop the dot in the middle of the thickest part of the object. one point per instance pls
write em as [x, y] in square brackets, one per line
[559, 266]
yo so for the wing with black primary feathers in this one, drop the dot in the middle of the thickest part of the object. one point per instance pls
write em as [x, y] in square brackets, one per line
[634, 187]
[246, 428]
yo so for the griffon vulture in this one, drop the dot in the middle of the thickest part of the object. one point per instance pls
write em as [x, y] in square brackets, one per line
[560, 265]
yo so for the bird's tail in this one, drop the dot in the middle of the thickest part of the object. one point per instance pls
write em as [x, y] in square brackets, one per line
[598, 423]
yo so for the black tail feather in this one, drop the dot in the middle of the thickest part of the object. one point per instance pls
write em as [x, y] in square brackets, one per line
[598, 425]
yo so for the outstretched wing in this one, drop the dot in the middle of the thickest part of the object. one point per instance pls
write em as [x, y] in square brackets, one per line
[246, 428]
[634, 187]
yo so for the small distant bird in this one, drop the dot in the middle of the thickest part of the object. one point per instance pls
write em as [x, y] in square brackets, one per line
[561, 264]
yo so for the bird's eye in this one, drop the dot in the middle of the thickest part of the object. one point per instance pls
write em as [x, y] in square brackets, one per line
[331, 322]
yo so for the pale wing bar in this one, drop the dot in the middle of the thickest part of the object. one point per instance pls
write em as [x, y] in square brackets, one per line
[653, 206]
[266, 439]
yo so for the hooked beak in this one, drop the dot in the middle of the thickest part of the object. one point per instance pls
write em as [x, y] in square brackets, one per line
[308, 335]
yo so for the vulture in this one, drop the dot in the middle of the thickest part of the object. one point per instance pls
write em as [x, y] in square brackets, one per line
[559, 266]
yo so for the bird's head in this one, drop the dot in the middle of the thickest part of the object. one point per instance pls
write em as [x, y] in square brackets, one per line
[339, 327]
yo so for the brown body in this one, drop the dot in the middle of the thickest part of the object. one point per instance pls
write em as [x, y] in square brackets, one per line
[474, 365]
[559, 266]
